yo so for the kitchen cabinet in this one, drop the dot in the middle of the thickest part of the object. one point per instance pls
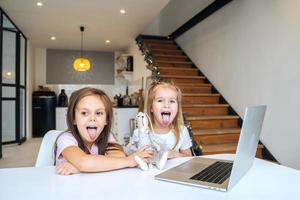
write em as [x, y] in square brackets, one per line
[61, 118]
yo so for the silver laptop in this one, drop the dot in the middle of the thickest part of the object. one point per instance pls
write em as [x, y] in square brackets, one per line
[222, 174]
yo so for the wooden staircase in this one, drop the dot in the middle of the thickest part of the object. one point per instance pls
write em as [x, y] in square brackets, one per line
[215, 127]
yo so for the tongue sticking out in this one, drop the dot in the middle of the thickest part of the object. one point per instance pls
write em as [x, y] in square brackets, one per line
[166, 119]
[92, 133]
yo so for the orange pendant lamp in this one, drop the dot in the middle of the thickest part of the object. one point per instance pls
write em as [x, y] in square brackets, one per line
[81, 64]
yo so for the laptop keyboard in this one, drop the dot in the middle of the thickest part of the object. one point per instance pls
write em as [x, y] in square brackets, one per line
[218, 172]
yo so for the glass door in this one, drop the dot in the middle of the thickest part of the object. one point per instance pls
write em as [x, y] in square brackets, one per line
[13, 83]
[9, 98]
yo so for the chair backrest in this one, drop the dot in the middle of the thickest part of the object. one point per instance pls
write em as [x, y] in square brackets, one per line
[46, 153]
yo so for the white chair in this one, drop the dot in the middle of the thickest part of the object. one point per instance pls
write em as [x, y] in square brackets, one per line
[46, 152]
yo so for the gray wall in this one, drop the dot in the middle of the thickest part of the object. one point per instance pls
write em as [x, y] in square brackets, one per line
[59, 67]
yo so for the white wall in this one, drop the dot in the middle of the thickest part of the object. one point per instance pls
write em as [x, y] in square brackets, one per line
[175, 14]
[140, 72]
[250, 51]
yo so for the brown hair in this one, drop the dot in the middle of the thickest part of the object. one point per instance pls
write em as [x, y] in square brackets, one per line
[178, 120]
[102, 140]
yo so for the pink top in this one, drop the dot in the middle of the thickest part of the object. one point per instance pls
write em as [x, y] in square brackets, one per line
[67, 139]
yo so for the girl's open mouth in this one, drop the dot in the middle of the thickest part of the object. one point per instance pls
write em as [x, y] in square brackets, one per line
[166, 117]
[92, 131]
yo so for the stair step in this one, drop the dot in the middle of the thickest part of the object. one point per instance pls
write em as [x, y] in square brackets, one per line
[174, 65]
[213, 122]
[180, 64]
[171, 57]
[226, 148]
[192, 85]
[205, 105]
[178, 70]
[217, 131]
[195, 88]
[183, 79]
[163, 46]
[174, 62]
[205, 109]
[166, 52]
[217, 136]
[158, 41]
[213, 117]
[208, 98]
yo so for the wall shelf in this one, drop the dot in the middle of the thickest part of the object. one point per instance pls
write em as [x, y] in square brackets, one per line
[125, 74]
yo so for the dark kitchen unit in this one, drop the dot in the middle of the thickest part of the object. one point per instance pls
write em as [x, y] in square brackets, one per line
[43, 112]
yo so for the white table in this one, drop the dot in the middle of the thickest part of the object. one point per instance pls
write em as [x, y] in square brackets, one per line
[265, 180]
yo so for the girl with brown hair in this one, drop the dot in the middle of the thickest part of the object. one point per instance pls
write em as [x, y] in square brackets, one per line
[88, 145]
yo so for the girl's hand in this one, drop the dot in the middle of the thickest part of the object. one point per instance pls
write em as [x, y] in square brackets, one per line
[173, 154]
[66, 168]
[143, 153]
[182, 153]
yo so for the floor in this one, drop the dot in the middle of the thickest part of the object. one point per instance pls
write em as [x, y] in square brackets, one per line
[14, 155]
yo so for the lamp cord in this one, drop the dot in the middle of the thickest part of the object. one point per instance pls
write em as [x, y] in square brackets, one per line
[81, 51]
[81, 44]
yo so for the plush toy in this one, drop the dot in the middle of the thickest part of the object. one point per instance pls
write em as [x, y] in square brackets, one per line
[142, 136]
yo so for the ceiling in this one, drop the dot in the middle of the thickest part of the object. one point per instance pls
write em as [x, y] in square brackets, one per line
[102, 19]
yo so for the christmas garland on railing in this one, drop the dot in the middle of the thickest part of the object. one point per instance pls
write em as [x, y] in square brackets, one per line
[196, 148]
[148, 57]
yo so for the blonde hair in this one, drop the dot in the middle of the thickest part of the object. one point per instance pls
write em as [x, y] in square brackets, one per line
[177, 123]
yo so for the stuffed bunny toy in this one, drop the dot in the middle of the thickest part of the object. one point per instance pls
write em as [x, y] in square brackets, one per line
[141, 137]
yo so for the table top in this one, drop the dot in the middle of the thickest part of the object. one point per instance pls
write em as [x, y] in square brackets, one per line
[265, 180]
